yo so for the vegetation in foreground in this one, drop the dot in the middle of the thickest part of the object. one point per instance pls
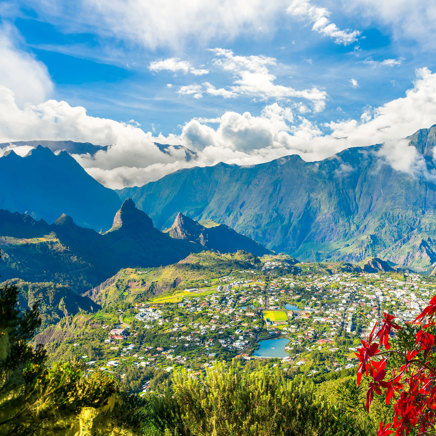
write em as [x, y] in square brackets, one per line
[225, 399]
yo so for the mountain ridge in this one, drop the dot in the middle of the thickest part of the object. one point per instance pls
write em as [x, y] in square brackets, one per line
[347, 207]
[45, 185]
[220, 237]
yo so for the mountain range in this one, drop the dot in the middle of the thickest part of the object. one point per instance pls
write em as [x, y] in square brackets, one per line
[81, 258]
[218, 237]
[71, 147]
[45, 185]
[348, 207]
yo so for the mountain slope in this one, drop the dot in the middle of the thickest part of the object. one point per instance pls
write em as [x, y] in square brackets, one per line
[46, 185]
[220, 237]
[54, 301]
[349, 207]
[79, 257]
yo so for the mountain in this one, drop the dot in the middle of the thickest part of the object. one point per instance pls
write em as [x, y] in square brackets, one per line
[375, 265]
[54, 301]
[45, 185]
[196, 270]
[219, 237]
[180, 149]
[138, 243]
[348, 207]
[81, 258]
[71, 147]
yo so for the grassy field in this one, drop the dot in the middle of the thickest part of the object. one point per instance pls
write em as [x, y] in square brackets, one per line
[275, 315]
[178, 296]
[9, 240]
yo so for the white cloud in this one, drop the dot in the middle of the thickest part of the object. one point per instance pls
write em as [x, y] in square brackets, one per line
[402, 156]
[242, 139]
[407, 19]
[279, 130]
[319, 18]
[221, 92]
[195, 90]
[384, 62]
[253, 78]
[173, 23]
[175, 65]
[354, 83]
[397, 118]
[20, 71]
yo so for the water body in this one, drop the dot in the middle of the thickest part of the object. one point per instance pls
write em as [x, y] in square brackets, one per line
[291, 307]
[272, 348]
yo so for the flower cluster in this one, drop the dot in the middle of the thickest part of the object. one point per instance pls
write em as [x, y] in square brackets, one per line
[412, 387]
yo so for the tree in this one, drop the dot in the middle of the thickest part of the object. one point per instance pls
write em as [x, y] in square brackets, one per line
[20, 364]
[403, 370]
[229, 400]
[35, 399]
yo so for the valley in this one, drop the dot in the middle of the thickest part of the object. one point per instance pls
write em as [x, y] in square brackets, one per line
[217, 312]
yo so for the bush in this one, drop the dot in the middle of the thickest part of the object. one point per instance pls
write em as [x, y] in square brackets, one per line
[226, 400]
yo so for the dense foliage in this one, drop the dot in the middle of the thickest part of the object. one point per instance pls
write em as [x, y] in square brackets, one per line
[404, 372]
[35, 399]
[226, 400]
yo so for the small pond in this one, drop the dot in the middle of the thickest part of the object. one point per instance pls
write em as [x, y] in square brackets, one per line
[272, 348]
[291, 307]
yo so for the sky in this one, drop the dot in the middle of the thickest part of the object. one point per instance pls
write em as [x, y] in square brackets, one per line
[238, 81]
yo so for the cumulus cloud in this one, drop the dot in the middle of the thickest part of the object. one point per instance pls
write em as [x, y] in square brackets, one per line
[21, 72]
[281, 130]
[174, 65]
[397, 118]
[252, 77]
[319, 18]
[245, 139]
[195, 90]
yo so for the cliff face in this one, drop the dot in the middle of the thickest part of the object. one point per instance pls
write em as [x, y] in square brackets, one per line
[45, 185]
[219, 237]
[349, 207]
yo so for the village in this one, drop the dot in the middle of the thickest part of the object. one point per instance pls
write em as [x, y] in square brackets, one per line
[304, 323]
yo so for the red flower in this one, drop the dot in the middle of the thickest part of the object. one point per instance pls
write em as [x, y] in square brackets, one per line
[378, 373]
[384, 431]
[373, 387]
[386, 328]
[425, 339]
[409, 357]
[364, 354]
[415, 406]
[429, 310]
[392, 387]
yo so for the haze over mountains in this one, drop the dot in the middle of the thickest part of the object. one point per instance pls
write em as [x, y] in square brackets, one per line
[45, 185]
[71, 147]
[359, 203]
[348, 207]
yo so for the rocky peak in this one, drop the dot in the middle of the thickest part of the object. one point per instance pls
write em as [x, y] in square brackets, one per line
[40, 152]
[185, 228]
[375, 265]
[64, 220]
[425, 141]
[131, 218]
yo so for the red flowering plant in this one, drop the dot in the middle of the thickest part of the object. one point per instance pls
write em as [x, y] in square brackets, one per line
[405, 373]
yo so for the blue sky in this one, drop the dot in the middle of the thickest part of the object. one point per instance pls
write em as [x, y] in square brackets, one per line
[239, 81]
